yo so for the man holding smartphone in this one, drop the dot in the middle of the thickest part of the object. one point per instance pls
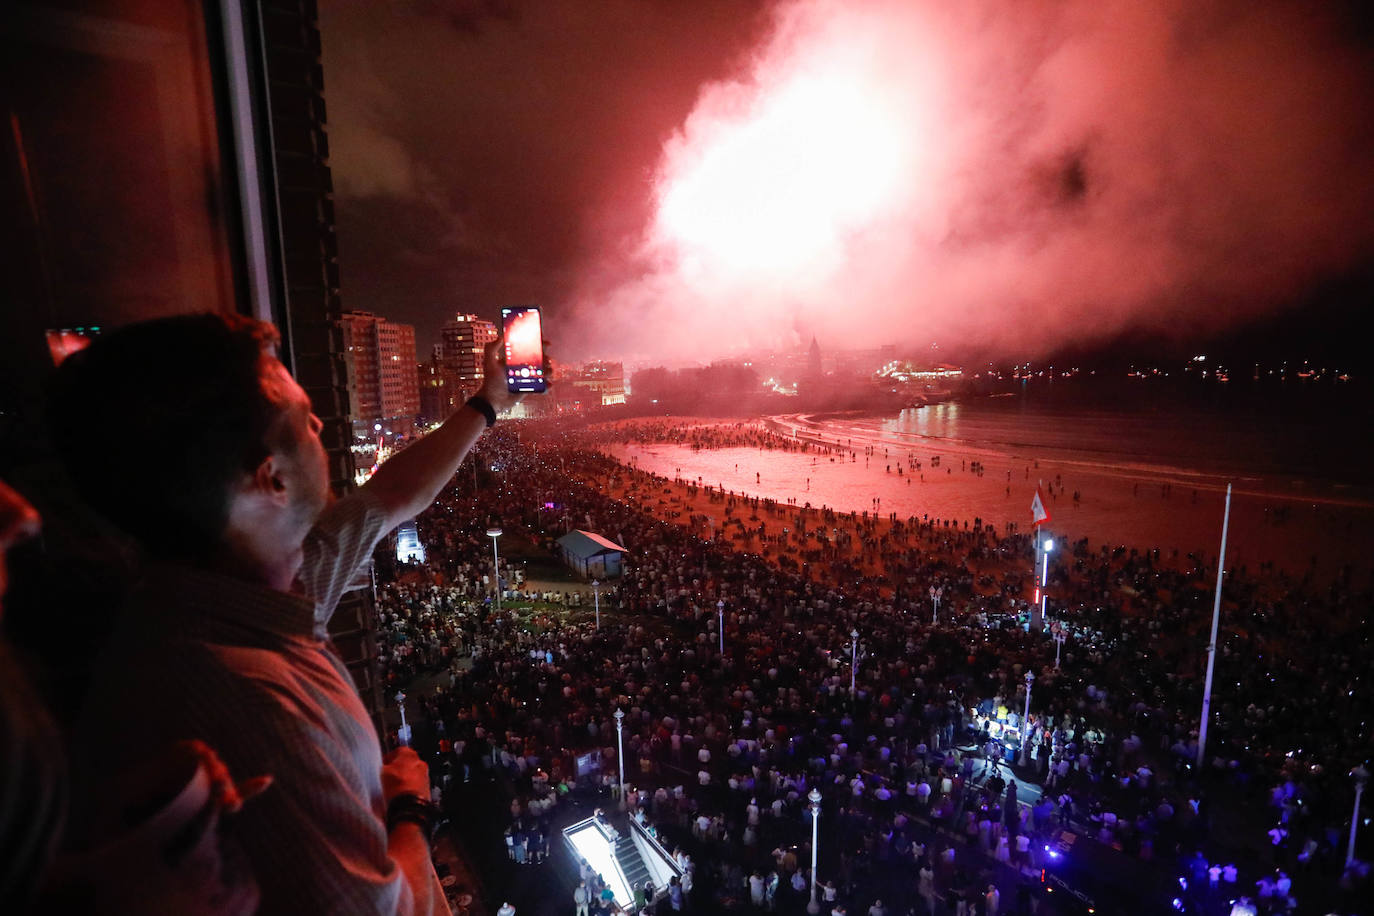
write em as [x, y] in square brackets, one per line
[226, 640]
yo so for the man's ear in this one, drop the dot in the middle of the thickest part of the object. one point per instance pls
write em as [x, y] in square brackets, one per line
[269, 482]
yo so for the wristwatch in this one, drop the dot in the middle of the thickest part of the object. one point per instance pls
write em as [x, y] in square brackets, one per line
[414, 809]
[483, 406]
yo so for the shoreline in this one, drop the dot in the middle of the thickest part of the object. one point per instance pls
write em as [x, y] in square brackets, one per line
[1296, 534]
[1286, 486]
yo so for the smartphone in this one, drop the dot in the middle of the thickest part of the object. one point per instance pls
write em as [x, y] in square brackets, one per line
[63, 342]
[524, 334]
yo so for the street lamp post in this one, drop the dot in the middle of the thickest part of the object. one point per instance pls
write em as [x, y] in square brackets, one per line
[495, 533]
[853, 658]
[1025, 720]
[1212, 642]
[935, 594]
[1058, 644]
[620, 752]
[1045, 580]
[1361, 777]
[596, 596]
[403, 733]
[720, 615]
[814, 796]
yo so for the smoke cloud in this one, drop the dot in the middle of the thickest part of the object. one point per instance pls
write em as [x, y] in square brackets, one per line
[676, 182]
[1001, 178]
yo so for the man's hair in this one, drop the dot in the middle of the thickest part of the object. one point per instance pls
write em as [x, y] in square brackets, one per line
[157, 420]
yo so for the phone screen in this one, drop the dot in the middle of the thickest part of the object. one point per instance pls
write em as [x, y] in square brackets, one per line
[524, 335]
[63, 342]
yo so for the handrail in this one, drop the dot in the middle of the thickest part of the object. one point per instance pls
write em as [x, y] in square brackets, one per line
[672, 863]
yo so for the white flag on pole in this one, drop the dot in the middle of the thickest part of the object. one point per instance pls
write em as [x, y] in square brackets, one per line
[1039, 514]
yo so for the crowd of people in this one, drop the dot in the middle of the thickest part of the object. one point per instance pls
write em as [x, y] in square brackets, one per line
[772, 661]
[745, 434]
[738, 738]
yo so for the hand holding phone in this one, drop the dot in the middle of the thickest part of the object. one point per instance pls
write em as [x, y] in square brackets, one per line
[523, 331]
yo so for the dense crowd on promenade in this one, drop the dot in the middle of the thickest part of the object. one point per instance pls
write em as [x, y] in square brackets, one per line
[738, 738]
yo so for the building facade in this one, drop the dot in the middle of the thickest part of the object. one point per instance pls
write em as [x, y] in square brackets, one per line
[380, 358]
[600, 384]
[462, 341]
[435, 400]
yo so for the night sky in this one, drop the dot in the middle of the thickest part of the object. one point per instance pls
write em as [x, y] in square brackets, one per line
[679, 181]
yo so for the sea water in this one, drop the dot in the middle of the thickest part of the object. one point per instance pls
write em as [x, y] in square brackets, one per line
[1145, 475]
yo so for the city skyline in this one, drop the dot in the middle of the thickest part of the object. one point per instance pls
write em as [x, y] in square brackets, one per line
[1281, 348]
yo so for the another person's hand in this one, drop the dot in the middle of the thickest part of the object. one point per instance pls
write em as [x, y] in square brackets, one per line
[404, 773]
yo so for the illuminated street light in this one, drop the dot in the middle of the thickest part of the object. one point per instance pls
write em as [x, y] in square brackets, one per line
[1025, 720]
[1212, 642]
[853, 658]
[814, 796]
[1361, 777]
[1045, 580]
[495, 533]
[403, 733]
[620, 751]
[720, 614]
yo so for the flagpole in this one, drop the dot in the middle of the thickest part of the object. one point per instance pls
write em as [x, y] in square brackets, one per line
[1212, 645]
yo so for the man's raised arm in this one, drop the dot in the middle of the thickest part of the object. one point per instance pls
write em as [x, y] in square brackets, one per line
[408, 482]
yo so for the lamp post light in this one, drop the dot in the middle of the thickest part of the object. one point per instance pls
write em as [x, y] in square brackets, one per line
[1045, 580]
[596, 596]
[1361, 777]
[720, 615]
[495, 533]
[402, 733]
[1212, 642]
[1025, 720]
[814, 797]
[853, 658]
[1059, 638]
[620, 752]
[935, 594]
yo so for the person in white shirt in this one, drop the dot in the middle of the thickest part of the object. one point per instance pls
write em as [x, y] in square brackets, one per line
[992, 901]
[756, 886]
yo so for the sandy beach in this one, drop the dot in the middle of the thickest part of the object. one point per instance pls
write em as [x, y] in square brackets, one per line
[1142, 507]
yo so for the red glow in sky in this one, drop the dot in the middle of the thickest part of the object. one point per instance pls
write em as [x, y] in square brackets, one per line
[725, 176]
[1012, 178]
